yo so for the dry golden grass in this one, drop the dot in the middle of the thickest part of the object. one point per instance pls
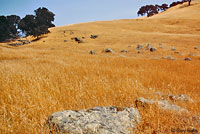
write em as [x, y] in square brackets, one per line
[52, 75]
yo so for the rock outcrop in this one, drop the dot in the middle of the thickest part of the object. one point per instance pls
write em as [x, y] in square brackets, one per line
[92, 52]
[174, 98]
[139, 47]
[108, 50]
[124, 51]
[94, 36]
[152, 49]
[162, 104]
[101, 120]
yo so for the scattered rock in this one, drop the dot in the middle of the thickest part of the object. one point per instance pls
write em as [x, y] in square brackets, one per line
[196, 47]
[65, 40]
[43, 41]
[139, 47]
[188, 59]
[124, 51]
[108, 50]
[170, 58]
[94, 36]
[142, 102]
[180, 97]
[22, 42]
[148, 47]
[101, 120]
[152, 49]
[92, 52]
[173, 49]
[164, 57]
[162, 104]
[16, 44]
[139, 52]
[129, 46]
[191, 54]
[77, 39]
[71, 32]
[83, 37]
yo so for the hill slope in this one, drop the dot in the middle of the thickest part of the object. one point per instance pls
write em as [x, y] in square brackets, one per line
[177, 27]
[56, 73]
[182, 11]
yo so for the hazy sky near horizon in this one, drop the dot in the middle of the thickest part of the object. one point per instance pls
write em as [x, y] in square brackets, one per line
[78, 11]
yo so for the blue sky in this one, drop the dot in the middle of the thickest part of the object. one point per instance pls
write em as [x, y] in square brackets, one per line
[77, 11]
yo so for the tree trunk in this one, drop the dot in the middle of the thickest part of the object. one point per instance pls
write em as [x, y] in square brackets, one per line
[189, 2]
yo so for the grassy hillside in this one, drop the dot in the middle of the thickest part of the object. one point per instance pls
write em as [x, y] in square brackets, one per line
[57, 73]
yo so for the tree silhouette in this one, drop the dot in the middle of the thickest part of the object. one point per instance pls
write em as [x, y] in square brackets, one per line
[28, 24]
[4, 28]
[38, 24]
[44, 17]
[8, 27]
[164, 7]
[148, 10]
[13, 22]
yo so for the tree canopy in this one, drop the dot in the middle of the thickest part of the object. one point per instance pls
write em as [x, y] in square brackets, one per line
[8, 27]
[31, 25]
[151, 10]
[37, 24]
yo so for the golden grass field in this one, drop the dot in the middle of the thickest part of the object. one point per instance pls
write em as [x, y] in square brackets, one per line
[51, 75]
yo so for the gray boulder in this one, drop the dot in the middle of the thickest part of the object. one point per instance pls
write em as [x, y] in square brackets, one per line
[173, 49]
[148, 47]
[77, 39]
[94, 36]
[139, 47]
[21, 43]
[152, 49]
[180, 97]
[162, 104]
[188, 59]
[108, 50]
[170, 58]
[92, 52]
[101, 120]
[16, 44]
[191, 54]
[124, 51]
